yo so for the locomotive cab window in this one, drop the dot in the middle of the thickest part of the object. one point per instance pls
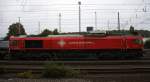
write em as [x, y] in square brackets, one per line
[14, 42]
[33, 44]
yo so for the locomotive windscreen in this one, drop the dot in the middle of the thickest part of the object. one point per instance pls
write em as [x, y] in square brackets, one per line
[33, 44]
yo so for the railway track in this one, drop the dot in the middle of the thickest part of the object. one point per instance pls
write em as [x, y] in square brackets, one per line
[86, 68]
[94, 68]
[99, 62]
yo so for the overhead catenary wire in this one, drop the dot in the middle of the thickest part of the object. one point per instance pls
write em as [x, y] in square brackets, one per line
[35, 4]
[85, 10]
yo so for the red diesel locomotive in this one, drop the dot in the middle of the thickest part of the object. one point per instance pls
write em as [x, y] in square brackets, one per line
[76, 46]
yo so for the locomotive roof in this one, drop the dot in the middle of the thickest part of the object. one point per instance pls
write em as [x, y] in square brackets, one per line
[96, 35]
[70, 36]
[78, 35]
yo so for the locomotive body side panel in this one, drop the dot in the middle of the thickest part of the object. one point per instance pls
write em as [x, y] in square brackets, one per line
[104, 43]
[80, 43]
[96, 46]
[66, 43]
[134, 43]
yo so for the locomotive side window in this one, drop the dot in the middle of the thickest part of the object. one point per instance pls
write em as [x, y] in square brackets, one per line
[33, 44]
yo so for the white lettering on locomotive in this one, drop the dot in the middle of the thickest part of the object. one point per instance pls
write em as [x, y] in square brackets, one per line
[80, 42]
[62, 43]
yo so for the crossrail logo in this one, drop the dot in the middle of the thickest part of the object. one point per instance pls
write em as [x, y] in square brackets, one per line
[61, 43]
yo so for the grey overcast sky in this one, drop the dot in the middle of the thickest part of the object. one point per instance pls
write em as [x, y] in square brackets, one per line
[132, 12]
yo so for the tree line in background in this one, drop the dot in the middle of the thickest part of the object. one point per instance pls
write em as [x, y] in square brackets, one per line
[17, 29]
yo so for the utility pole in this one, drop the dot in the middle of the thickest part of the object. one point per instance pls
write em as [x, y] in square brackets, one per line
[95, 20]
[118, 21]
[108, 24]
[59, 22]
[19, 32]
[39, 25]
[79, 3]
[19, 19]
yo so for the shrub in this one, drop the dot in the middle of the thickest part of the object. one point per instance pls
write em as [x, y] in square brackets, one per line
[53, 70]
[27, 74]
[147, 44]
